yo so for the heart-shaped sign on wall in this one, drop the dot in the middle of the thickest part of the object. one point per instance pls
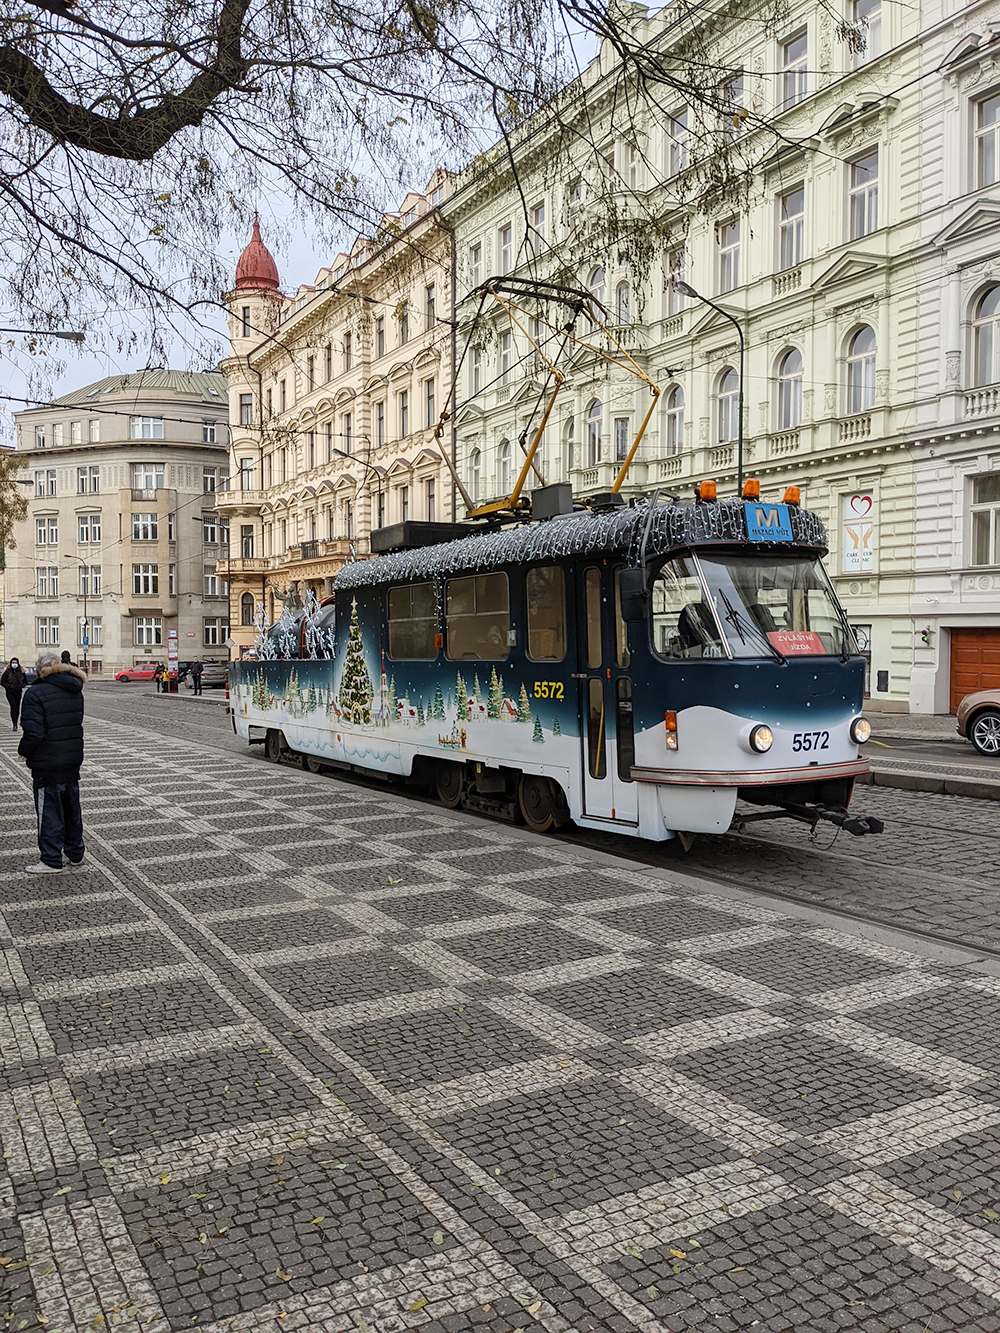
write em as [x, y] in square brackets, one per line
[860, 505]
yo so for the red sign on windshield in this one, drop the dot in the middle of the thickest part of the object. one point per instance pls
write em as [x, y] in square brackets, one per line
[797, 642]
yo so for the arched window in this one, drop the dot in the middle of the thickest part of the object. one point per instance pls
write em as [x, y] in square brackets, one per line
[729, 406]
[623, 304]
[790, 390]
[595, 420]
[503, 467]
[597, 285]
[987, 332]
[673, 441]
[246, 609]
[861, 371]
[475, 473]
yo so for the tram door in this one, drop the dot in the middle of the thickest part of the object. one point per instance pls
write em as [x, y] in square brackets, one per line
[605, 698]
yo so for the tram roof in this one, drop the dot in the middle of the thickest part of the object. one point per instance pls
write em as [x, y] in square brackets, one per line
[672, 527]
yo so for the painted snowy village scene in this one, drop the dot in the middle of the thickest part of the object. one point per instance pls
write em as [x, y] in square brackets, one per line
[349, 708]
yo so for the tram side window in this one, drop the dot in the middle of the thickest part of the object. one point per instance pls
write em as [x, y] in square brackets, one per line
[683, 624]
[413, 622]
[478, 618]
[546, 597]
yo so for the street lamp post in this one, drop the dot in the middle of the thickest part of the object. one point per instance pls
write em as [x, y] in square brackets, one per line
[67, 335]
[85, 585]
[688, 290]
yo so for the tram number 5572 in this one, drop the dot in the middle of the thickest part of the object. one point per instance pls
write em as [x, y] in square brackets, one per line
[548, 689]
[810, 740]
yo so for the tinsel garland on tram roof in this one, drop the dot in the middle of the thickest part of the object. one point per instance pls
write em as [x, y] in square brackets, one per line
[671, 527]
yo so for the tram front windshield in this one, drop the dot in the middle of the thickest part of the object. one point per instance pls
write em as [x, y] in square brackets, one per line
[747, 606]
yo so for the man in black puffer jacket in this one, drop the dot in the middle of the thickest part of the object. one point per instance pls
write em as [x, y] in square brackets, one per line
[52, 747]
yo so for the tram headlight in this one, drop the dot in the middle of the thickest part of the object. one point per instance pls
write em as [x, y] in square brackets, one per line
[861, 730]
[761, 738]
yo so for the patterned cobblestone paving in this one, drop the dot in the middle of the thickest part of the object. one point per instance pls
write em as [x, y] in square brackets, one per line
[291, 1054]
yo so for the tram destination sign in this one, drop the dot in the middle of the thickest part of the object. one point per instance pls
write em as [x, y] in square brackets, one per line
[768, 523]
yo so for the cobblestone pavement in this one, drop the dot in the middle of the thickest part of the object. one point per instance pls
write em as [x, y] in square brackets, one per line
[293, 1054]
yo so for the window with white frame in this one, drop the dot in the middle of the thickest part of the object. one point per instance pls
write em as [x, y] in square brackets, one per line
[380, 336]
[209, 479]
[76, 432]
[794, 67]
[90, 580]
[988, 140]
[348, 350]
[88, 480]
[346, 432]
[430, 496]
[986, 338]
[475, 473]
[621, 434]
[595, 429]
[632, 161]
[674, 274]
[245, 321]
[145, 580]
[214, 585]
[171, 527]
[986, 519]
[47, 630]
[146, 428]
[171, 580]
[147, 631]
[404, 504]
[728, 406]
[727, 238]
[504, 480]
[506, 352]
[46, 532]
[57, 434]
[861, 371]
[94, 431]
[47, 581]
[673, 434]
[575, 193]
[677, 142]
[863, 195]
[403, 412]
[597, 286]
[208, 432]
[735, 112]
[791, 220]
[92, 628]
[145, 527]
[88, 528]
[380, 424]
[505, 248]
[475, 264]
[537, 233]
[39, 437]
[623, 303]
[147, 476]
[475, 370]
[868, 21]
[404, 324]
[430, 305]
[790, 390]
[216, 631]
[246, 409]
[430, 410]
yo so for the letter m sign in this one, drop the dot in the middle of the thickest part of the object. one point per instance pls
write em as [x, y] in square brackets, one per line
[768, 523]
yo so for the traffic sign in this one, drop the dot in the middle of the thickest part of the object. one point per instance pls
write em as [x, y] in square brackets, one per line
[86, 641]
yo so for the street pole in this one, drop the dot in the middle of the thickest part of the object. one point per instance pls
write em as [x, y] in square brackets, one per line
[85, 585]
[688, 290]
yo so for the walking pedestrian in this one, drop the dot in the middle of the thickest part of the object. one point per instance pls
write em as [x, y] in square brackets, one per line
[158, 677]
[65, 658]
[52, 747]
[14, 682]
[196, 670]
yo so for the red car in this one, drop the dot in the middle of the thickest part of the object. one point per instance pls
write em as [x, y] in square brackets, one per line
[141, 671]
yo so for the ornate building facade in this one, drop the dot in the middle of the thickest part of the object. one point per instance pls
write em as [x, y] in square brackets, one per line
[333, 396]
[859, 270]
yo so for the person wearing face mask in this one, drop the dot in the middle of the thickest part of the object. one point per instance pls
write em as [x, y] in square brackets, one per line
[14, 682]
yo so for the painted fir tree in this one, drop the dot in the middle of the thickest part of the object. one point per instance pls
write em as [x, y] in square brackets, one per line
[523, 706]
[259, 693]
[420, 714]
[476, 693]
[556, 728]
[537, 735]
[461, 697]
[437, 711]
[393, 703]
[311, 700]
[496, 694]
[356, 693]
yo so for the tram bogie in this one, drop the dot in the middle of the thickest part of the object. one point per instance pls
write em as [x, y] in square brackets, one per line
[637, 671]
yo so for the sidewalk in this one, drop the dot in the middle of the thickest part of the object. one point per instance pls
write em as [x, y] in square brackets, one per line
[915, 726]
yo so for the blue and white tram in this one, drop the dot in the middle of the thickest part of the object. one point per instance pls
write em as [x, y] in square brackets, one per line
[637, 669]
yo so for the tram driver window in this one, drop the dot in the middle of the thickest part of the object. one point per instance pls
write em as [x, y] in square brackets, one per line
[683, 624]
[413, 623]
[546, 598]
[478, 618]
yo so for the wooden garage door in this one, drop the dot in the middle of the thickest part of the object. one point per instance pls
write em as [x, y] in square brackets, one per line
[975, 662]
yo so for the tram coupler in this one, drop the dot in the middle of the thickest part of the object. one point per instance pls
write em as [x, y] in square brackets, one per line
[859, 825]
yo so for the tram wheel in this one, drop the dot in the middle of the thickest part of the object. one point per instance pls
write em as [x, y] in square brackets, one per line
[534, 799]
[273, 746]
[449, 784]
[314, 764]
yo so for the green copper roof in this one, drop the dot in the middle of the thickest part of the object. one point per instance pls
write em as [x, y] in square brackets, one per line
[196, 383]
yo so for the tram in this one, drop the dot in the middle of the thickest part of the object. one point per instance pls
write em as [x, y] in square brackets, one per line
[636, 667]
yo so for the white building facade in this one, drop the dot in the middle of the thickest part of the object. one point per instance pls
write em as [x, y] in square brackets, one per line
[859, 269]
[121, 543]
